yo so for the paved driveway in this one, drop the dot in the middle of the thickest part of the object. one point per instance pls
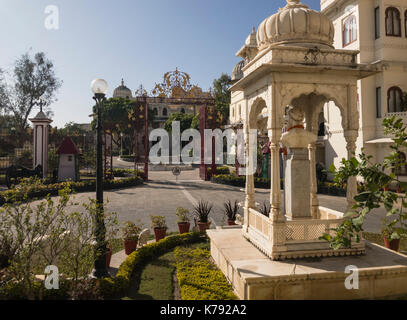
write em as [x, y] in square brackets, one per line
[163, 194]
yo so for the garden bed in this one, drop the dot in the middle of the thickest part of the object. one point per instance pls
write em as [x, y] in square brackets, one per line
[38, 190]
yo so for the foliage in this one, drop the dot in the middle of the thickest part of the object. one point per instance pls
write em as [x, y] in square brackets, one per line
[240, 181]
[33, 188]
[231, 210]
[33, 77]
[182, 215]
[184, 119]
[47, 234]
[112, 287]
[219, 170]
[222, 97]
[376, 177]
[158, 222]
[265, 209]
[198, 278]
[131, 231]
[202, 211]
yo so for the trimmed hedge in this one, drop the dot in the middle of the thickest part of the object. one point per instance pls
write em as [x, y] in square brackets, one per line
[240, 181]
[198, 278]
[219, 170]
[127, 158]
[41, 191]
[114, 287]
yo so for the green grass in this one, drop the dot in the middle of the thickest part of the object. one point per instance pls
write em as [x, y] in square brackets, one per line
[155, 281]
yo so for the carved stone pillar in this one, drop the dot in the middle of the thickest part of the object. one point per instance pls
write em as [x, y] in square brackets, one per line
[249, 171]
[313, 182]
[352, 189]
[275, 193]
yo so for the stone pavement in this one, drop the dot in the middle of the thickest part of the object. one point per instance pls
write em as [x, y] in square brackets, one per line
[162, 195]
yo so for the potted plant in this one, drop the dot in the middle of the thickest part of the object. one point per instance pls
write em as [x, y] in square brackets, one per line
[131, 232]
[202, 211]
[390, 235]
[183, 220]
[230, 211]
[160, 227]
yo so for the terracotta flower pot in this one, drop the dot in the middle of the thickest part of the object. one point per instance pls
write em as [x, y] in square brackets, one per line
[183, 227]
[231, 222]
[130, 246]
[392, 244]
[160, 233]
[203, 226]
[399, 190]
[108, 257]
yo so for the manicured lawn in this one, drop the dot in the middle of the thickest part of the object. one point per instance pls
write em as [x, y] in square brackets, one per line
[156, 280]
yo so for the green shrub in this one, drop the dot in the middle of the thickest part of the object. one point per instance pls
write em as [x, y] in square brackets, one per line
[36, 189]
[240, 181]
[219, 170]
[113, 287]
[198, 278]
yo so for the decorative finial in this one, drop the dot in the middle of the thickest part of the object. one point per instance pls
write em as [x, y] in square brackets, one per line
[122, 82]
[254, 29]
[292, 2]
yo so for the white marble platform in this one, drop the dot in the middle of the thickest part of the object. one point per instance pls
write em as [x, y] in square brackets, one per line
[382, 273]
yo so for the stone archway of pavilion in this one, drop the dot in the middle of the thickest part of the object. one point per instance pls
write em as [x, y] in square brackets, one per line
[312, 98]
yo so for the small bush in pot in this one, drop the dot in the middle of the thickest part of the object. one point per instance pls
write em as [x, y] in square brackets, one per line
[202, 211]
[390, 233]
[183, 220]
[230, 211]
[112, 229]
[159, 226]
[131, 232]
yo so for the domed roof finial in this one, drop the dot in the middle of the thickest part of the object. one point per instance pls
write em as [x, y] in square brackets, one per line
[293, 2]
[122, 82]
[254, 29]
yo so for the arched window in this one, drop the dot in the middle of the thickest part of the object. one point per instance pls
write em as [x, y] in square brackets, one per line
[155, 112]
[240, 111]
[394, 96]
[233, 112]
[393, 22]
[165, 112]
[182, 110]
[349, 30]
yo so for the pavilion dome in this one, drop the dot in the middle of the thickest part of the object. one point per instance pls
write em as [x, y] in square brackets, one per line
[296, 25]
[237, 73]
[122, 91]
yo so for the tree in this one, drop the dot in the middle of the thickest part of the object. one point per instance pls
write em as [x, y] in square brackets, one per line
[33, 78]
[184, 119]
[222, 97]
[376, 178]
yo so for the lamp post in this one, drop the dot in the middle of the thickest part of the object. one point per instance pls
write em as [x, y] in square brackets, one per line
[99, 88]
[121, 144]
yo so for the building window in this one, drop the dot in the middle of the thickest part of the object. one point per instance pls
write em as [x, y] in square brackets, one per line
[165, 112]
[349, 30]
[393, 22]
[155, 112]
[182, 110]
[240, 111]
[394, 96]
[377, 22]
[379, 102]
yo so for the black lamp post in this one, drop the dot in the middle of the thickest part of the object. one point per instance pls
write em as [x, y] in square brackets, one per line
[99, 88]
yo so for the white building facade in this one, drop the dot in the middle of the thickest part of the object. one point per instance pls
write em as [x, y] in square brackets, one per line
[378, 29]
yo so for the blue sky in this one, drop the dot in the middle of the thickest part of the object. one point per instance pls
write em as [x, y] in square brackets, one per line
[138, 40]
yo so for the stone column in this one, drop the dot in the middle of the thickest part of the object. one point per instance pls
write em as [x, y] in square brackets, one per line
[249, 171]
[275, 193]
[41, 127]
[352, 189]
[313, 182]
